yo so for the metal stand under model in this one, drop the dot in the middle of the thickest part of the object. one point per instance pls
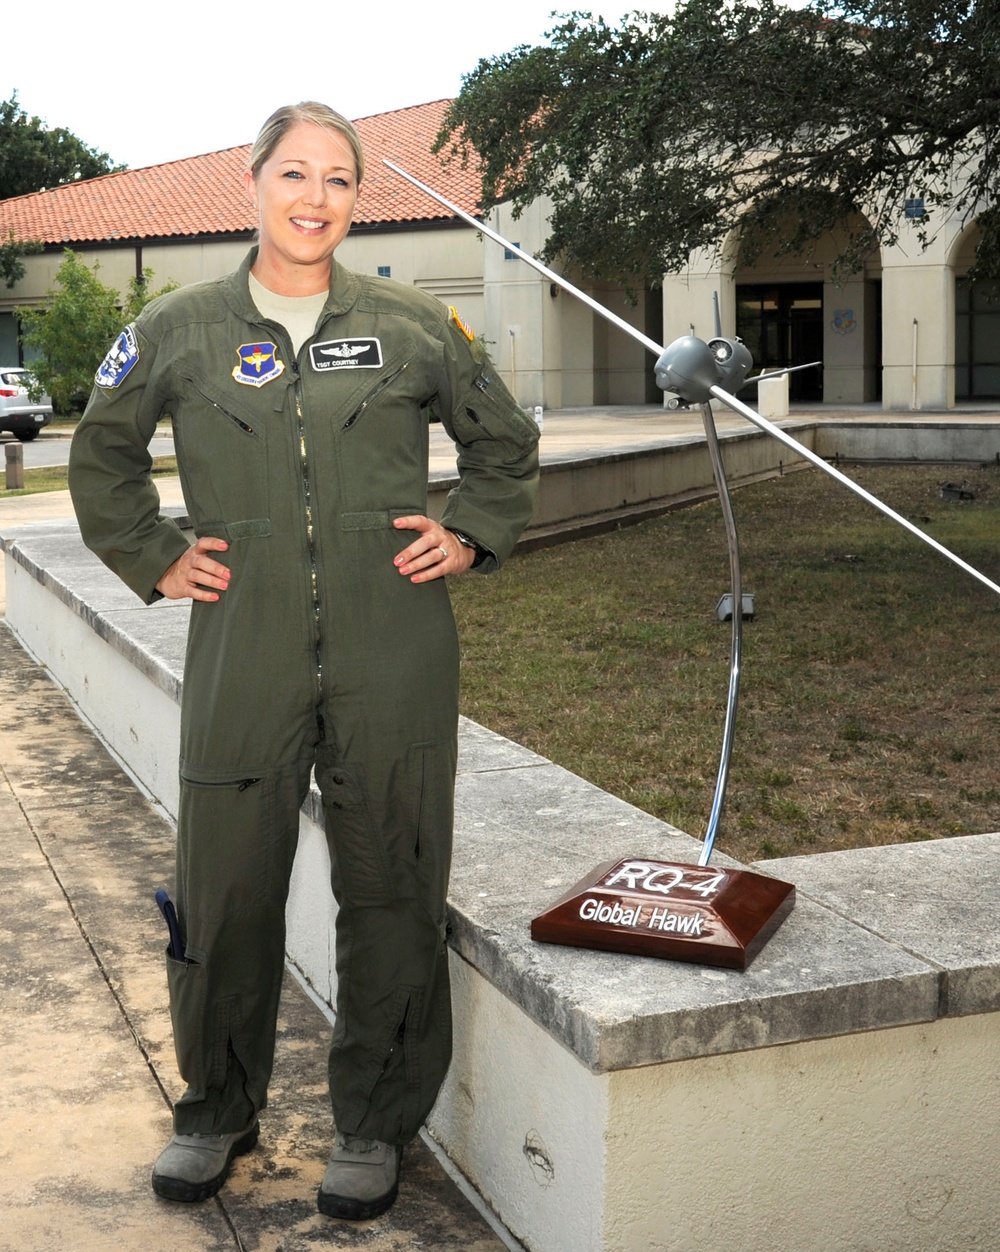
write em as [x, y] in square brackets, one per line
[663, 908]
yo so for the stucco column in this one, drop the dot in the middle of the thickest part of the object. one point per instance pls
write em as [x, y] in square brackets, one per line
[516, 302]
[918, 334]
[688, 298]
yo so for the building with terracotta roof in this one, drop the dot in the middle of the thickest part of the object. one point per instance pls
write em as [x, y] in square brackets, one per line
[201, 198]
[907, 328]
[191, 220]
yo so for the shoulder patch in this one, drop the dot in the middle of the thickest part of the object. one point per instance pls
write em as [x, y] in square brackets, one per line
[339, 354]
[463, 326]
[258, 364]
[122, 355]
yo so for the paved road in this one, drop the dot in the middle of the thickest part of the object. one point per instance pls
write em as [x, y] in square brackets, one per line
[53, 449]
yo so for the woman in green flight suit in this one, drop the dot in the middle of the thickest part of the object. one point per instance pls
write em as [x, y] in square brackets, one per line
[321, 637]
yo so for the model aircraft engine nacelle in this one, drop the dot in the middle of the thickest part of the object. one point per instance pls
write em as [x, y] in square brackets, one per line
[734, 361]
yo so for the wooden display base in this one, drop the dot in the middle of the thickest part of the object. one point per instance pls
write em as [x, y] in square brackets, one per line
[668, 909]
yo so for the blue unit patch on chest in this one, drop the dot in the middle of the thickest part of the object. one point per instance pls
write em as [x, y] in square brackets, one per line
[258, 364]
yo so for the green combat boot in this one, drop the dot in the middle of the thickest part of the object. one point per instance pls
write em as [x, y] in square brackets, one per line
[194, 1167]
[361, 1180]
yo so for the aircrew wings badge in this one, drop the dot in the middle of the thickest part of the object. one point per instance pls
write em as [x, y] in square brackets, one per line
[258, 364]
[463, 326]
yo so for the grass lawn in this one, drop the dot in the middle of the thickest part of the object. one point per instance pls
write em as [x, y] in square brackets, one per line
[868, 709]
[53, 477]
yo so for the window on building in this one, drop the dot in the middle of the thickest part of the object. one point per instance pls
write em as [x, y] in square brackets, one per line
[9, 347]
[977, 340]
[385, 271]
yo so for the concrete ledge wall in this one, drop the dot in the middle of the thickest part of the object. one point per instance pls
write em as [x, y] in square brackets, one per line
[882, 1140]
[843, 1093]
[588, 491]
[940, 441]
[579, 491]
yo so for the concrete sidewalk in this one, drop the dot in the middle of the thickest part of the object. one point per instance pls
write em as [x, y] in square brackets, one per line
[85, 1043]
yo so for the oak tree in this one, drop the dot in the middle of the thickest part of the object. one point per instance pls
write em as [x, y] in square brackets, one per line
[665, 133]
[34, 156]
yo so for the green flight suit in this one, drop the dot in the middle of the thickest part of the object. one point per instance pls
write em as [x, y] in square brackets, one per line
[319, 654]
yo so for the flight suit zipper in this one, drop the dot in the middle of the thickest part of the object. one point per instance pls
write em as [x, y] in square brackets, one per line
[206, 393]
[241, 784]
[373, 394]
[396, 1043]
[483, 382]
[310, 528]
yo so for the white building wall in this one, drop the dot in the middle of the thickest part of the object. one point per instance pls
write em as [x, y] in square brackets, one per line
[846, 377]
[550, 347]
[689, 297]
[850, 318]
[554, 351]
[522, 324]
[447, 263]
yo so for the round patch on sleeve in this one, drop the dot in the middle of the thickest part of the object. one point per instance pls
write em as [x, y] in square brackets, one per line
[123, 354]
[463, 326]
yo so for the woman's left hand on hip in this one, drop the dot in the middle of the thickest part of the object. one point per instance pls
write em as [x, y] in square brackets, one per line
[434, 553]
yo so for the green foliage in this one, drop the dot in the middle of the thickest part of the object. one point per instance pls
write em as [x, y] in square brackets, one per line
[33, 157]
[74, 330]
[11, 268]
[666, 133]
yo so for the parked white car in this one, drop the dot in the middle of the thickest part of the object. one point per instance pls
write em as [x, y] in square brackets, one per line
[18, 412]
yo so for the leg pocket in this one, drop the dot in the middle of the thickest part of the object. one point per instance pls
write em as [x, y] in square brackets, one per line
[186, 983]
[359, 864]
[227, 850]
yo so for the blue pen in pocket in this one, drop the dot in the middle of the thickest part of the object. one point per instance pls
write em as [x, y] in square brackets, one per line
[175, 948]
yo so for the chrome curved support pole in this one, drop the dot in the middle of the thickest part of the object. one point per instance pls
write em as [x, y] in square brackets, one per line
[700, 392]
[736, 648]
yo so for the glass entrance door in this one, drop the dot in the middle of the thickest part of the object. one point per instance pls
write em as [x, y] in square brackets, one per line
[782, 325]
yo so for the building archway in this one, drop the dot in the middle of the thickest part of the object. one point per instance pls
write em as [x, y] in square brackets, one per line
[793, 308]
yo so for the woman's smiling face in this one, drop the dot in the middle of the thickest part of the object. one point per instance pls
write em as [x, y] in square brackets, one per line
[304, 194]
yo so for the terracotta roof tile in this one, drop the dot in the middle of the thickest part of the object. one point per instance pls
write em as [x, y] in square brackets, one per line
[203, 195]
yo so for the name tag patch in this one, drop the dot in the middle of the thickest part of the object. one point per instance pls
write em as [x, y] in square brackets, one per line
[122, 355]
[258, 364]
[341, 354]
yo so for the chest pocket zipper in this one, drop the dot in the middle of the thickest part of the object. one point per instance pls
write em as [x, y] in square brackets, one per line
[221, 408]
[373, 395]
[244, 426]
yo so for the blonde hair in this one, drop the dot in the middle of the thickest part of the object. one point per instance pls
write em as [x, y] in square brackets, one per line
[283, 119]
